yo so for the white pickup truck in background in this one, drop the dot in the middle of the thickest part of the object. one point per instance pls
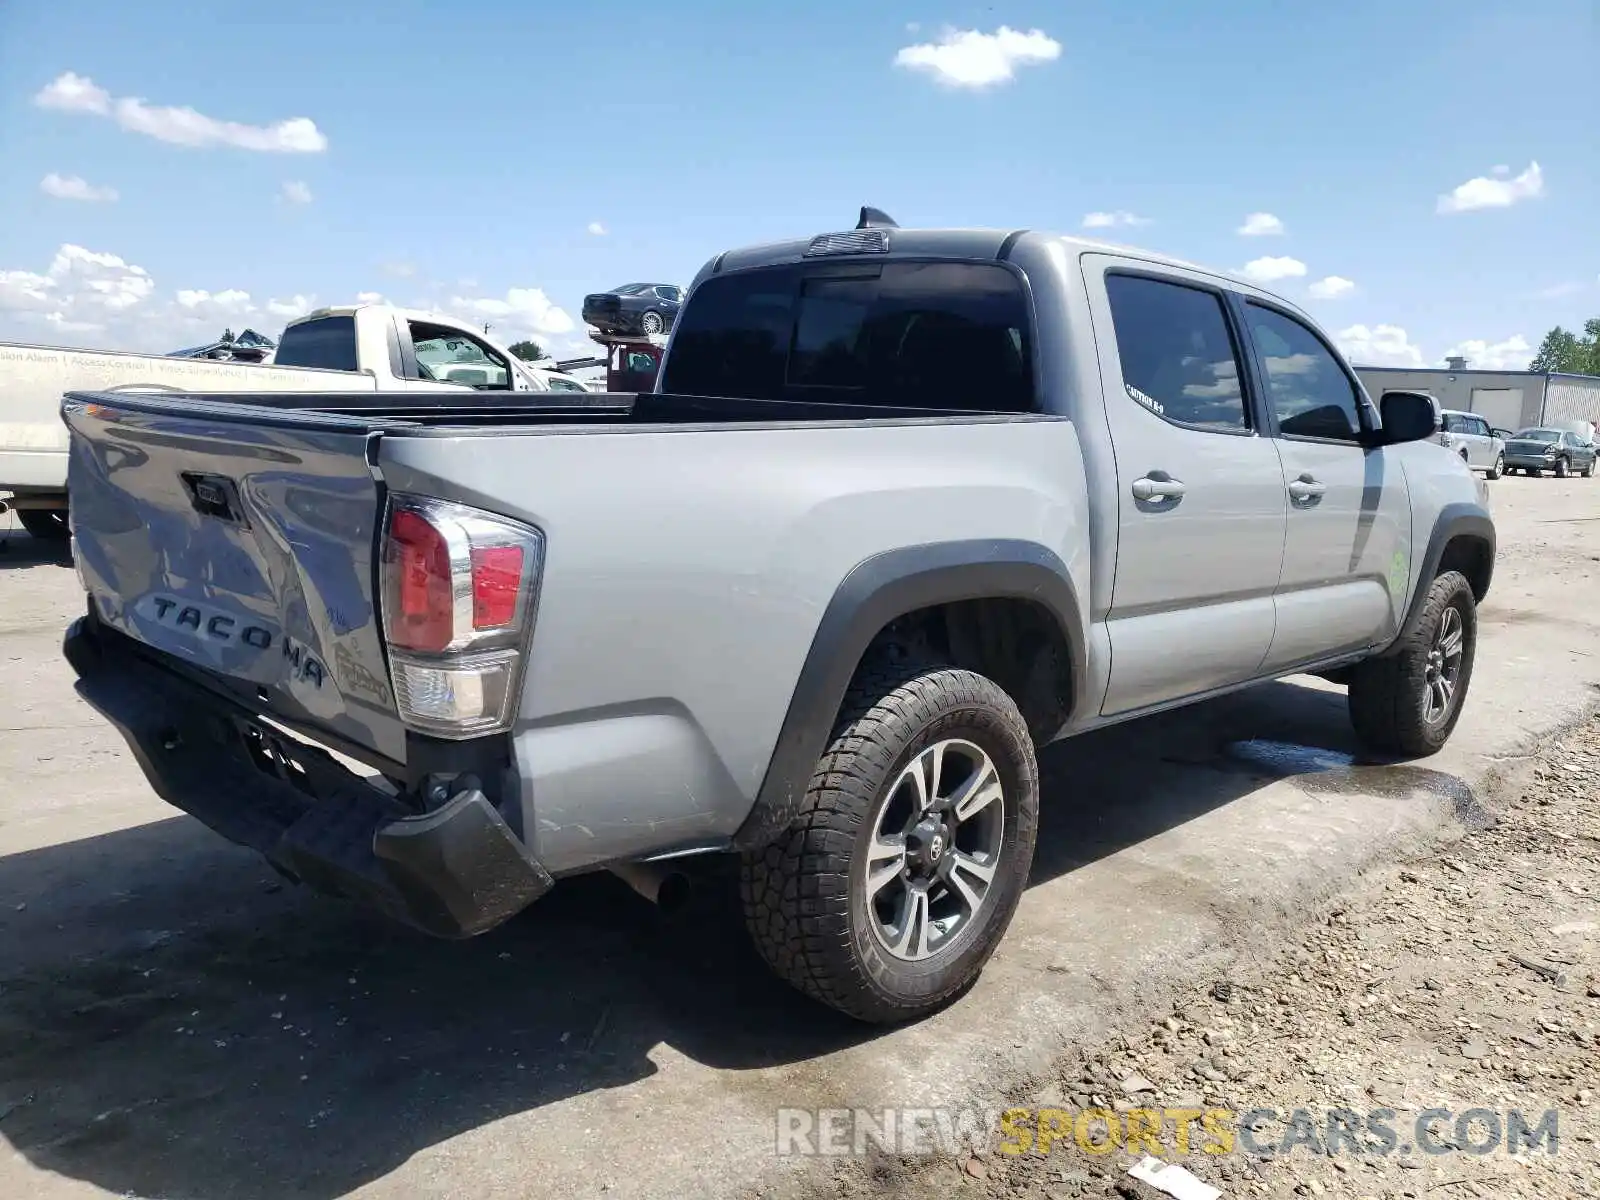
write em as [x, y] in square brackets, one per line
[358, 348]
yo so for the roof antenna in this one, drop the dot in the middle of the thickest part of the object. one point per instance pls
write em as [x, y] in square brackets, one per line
[875, 218]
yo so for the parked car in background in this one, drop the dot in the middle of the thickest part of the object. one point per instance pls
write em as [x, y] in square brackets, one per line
[555, 380]
[1535, 451]
[363, 347]
[647, 308]
[1469, 435]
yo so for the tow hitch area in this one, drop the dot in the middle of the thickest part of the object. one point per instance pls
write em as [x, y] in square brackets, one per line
[454, 871]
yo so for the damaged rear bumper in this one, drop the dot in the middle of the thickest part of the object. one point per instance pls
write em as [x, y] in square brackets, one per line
[455, 871]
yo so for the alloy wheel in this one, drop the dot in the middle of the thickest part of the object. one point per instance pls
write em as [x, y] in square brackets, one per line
[936, 843]
[1442, 670]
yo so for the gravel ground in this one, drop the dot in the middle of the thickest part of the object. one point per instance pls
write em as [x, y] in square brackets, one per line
[1405, 995]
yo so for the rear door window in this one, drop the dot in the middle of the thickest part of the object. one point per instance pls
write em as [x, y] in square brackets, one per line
[328, 342]
[1176, 352]
[936, 335]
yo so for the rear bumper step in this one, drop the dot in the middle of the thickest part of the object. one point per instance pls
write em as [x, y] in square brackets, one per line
[453, 872]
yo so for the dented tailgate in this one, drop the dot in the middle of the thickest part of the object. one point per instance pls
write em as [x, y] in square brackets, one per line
[240, 540]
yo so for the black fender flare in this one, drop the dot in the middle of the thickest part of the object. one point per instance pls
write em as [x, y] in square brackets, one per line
[874, 593]
[1461, 519]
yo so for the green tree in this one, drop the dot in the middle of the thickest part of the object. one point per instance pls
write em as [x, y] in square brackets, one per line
[1563, 350]
[527, 351]
[1560, 351]
[1591, 341]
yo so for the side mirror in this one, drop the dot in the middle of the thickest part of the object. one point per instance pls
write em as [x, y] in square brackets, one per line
[1407, 417]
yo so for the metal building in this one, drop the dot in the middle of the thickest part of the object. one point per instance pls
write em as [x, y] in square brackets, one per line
[1506, 399]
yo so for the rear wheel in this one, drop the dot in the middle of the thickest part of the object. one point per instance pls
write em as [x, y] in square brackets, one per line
[652, 323]
[46, 524]
[1499, 467]
[893, 886]
[1408, 702]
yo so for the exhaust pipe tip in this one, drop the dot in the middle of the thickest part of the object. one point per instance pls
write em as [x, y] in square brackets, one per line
[667, 888]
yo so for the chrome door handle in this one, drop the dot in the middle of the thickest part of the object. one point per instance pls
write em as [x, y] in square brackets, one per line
[1158, 486]
[1306, 488]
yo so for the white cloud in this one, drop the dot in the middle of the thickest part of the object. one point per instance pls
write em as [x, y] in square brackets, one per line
[522, 310]
[967, 58]
[596, 228]
[1331, 288]
[22, 291]
[1270, 270]
[1557, 290]
[74, 187]
[100, 280]
[1379, 346]
[87, 297]
[229, 302]
[74, 93]
[81, 290]
[1498, 189]
[1513, 354]
[294, 306]
[181, 126]
[295, 192]
[1112, 220]
[1260, 224]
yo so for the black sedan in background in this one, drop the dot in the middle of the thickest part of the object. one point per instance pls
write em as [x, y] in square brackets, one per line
[647, 308]
[1559, 451]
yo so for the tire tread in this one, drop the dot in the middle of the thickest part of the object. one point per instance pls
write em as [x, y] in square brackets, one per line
[800, 924]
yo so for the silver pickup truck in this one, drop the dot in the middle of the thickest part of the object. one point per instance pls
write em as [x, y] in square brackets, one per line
[906, 506]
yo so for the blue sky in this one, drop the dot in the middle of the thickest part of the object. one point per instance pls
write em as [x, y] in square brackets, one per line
[459, 157]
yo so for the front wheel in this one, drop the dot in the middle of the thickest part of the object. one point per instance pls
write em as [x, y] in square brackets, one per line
[1499, 467]
[893, 886]
[1407, 702]
[1562, 470]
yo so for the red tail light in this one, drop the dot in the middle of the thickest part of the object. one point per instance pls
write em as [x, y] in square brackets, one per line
[496, 585]
[458, 592]
[424, 613]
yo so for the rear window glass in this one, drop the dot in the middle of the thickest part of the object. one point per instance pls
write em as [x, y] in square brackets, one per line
[329, 342]
[938, 335]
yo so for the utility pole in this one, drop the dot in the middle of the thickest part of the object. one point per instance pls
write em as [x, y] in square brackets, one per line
[486, 328]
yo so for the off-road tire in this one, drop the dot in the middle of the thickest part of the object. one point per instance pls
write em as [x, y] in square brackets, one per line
[1499, 467]
[797, 892]
[1386, 694]
[46, 524]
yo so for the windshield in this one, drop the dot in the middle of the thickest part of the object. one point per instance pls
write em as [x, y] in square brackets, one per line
[1539, 435]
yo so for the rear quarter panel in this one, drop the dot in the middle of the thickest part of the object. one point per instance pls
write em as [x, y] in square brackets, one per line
[687, 571]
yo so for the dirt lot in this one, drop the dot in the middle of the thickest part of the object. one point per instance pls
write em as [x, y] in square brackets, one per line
[1425, 986]
[175, 1022]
